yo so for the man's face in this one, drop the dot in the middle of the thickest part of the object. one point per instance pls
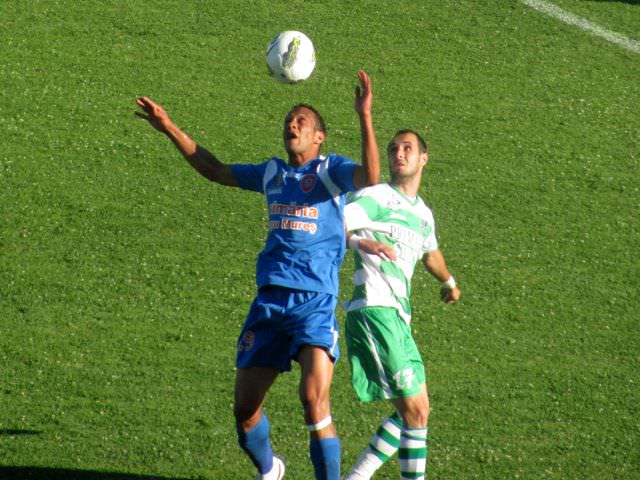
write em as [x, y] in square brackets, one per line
[300, 134]
[405, 158]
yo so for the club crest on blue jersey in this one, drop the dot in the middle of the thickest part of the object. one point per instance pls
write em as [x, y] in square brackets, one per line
[308, 182]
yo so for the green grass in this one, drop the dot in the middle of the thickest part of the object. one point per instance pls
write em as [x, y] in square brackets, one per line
[124, 277]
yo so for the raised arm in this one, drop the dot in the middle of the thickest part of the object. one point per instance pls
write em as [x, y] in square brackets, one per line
[435, 264]
[198, 157]
[369, 172]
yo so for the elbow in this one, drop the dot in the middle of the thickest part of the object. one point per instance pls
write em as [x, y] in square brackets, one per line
[373, 178]
[372, 175]
[366, 177]
[220, 176]
[373, 170]
[209, 167]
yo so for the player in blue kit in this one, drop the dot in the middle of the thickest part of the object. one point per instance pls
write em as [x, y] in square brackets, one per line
[293, 314]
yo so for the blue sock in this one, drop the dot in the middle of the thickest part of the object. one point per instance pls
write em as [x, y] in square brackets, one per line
[257, 445]
[325, 456]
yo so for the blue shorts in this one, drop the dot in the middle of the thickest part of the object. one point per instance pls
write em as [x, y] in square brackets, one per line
[281, 321]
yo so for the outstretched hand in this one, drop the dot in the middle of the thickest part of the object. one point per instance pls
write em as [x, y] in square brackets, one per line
[364, 94]
[153, 113]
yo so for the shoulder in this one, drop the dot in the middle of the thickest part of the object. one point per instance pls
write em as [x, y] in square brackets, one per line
[271, 166]
[422, 205]
[253, 176]
[277, 161]
[373, 199]
[261, 164]
[334, 160]
[424, 211]
[337, 170]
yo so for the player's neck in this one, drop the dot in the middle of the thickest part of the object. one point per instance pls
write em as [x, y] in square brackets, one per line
[407, 185]
[300, 159]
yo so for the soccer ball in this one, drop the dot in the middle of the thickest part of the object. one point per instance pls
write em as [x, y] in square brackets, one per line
[291, 57]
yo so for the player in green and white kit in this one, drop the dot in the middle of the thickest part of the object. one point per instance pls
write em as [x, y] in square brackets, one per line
[391, 229]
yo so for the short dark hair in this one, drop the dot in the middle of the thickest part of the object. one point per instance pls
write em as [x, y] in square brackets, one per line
[422, 145]
[319, 120]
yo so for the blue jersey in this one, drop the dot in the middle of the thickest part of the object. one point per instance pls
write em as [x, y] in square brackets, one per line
[306, 243]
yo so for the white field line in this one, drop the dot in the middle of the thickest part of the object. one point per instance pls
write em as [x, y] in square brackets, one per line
[571, 19]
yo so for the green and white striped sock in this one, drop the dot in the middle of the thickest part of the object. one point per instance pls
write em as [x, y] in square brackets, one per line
[382, 446]
[413, 453]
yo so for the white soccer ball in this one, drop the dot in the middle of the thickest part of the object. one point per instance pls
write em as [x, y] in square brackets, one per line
[291, 57]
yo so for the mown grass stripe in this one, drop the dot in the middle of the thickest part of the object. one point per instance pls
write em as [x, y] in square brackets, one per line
[584, 24]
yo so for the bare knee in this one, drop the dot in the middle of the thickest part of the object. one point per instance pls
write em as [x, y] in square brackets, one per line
[251, 387]
[416, 417]
[414, 410]
[315, 383]
[246, 416]
[316, 406]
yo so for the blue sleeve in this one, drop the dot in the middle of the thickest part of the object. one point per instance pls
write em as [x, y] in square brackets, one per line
[249, 176]
[341, 170]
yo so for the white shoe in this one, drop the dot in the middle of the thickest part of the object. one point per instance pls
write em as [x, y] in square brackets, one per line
[276, 473]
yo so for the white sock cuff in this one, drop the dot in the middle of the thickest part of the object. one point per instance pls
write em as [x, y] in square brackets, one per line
[414, 432]
[325, 422]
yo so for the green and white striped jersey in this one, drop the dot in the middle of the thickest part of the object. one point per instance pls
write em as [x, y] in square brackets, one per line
[385, 214]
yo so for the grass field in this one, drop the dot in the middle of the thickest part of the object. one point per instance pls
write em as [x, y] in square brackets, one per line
[125, 277]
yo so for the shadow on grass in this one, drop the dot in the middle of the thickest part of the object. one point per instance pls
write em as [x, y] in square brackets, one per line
[14, 433]
[46, 473]
[43, 473]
